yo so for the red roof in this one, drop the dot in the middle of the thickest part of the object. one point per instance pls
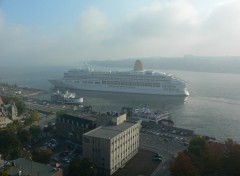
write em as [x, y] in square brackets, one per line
[1, 101]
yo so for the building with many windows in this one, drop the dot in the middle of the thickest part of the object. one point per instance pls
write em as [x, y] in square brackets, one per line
[73, 126]
[110, 147]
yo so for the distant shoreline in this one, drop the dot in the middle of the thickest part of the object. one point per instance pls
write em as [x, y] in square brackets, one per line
[13, 90]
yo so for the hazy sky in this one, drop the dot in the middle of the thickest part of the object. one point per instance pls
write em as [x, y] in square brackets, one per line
[61, 31]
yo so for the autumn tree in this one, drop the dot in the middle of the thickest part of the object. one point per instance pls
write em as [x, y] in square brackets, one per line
[214, 161]
[232, 158]
[206, 158]
[183, 166]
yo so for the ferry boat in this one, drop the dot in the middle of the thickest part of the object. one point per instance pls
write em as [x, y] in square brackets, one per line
[147, 115]
[65, 98]
[137, 80]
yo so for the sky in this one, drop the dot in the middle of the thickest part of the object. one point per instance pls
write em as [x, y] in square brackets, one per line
[68, 32]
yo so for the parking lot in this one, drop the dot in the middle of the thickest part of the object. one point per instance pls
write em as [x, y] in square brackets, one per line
[64, 151]
[141, 164]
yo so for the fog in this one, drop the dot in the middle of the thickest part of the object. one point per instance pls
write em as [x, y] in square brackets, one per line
[117, 31]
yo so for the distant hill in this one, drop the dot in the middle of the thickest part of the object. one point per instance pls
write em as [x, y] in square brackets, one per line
[187, 63]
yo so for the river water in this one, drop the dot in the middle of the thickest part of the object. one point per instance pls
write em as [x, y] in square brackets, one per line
[213, 107]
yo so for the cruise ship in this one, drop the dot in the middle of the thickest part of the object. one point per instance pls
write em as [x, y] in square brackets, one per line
[137, 80]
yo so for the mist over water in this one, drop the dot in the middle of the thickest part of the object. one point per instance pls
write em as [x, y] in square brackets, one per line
[211, 109]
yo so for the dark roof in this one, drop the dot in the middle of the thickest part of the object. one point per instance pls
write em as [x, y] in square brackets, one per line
[108, 132]
[79, 116]
[32, 168]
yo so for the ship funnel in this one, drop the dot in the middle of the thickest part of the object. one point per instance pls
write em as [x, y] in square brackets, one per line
[138, 66]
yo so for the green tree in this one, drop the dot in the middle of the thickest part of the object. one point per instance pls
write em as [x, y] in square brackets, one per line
[24, 136]
[21, 106]
[197, 146]
[10, 146]
[4, 172]
[35, 130]
[35, 116]
[41, 155]
[13, 126]
[81, 167]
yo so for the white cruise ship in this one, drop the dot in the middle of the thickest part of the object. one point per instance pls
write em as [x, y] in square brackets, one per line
[137, 80]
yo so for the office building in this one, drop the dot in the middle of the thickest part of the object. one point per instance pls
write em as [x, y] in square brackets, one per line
[110, 147]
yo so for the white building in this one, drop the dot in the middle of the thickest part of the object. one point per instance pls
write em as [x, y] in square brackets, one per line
[110, 147]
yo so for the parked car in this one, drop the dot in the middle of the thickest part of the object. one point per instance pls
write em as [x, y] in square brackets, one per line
[157, 159]
[158, 155]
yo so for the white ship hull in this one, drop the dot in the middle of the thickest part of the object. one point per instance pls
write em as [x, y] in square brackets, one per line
[140, 82]
[104, 88]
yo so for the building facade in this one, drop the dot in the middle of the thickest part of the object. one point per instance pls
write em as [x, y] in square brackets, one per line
[73, 126]
[110, 147]
[8, 110]
[4, 121]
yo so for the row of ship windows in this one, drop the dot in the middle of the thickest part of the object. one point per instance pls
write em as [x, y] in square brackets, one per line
[131, 83]
[127, 83]
[122, 77]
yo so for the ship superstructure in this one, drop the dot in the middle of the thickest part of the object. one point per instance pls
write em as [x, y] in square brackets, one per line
[136, 81]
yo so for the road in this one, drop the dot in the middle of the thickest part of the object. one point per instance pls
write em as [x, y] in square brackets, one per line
[44, 108]
[167, 149]
[49, 119]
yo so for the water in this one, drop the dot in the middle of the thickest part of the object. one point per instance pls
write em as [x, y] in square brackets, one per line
[211, 109]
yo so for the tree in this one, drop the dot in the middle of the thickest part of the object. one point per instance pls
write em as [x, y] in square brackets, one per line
[208, 158]
[214, 160]
[13, 126]
[81, 167]
[41, 155]
[10, 146]
[183, 166]
[35, 116]
[197, 146]
[24, 136]
[21, 106]
[35, 130]
[4, 172]
[232, 158]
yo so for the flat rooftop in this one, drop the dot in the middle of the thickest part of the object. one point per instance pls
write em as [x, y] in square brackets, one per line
[110, 131]
[30, 167]
[82, 116]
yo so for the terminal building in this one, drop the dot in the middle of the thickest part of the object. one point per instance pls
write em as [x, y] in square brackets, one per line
[110, 147]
